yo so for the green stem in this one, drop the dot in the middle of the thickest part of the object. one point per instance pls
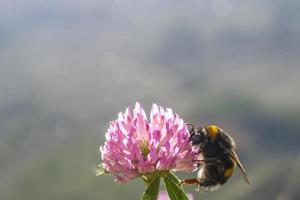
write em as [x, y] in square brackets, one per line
[152, 189]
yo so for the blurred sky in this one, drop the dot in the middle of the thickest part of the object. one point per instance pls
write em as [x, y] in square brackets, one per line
[77, 56]
[68, 67]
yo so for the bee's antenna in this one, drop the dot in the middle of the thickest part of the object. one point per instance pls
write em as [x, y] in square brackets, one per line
[190, 124]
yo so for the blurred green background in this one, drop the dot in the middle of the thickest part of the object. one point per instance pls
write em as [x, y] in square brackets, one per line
[68, 67]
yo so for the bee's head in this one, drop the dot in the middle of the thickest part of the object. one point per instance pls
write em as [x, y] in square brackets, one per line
[198, 136]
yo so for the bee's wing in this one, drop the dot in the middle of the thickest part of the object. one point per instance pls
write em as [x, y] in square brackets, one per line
[227, 143]
[234, 156]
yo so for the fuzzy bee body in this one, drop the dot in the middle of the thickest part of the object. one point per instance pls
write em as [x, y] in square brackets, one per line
[218, 168]
[216, 157]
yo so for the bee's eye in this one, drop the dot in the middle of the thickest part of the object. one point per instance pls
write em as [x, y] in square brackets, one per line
[196, 139]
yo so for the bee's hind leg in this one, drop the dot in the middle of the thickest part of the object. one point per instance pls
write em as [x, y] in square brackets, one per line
[202, 184]
[191, 181]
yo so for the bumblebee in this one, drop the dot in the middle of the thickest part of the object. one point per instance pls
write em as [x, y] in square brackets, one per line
[217, 158]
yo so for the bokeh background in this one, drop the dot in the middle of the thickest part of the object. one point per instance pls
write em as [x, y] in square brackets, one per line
[68, 67]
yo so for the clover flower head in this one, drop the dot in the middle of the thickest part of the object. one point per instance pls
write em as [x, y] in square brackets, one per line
[136, 147]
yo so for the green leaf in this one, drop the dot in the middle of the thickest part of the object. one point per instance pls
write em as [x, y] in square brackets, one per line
[175, 192]
[151, 192]
[173, 177]
[100, 170]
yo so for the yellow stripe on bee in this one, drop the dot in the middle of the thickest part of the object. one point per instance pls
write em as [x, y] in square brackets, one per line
[213, 131]
[228, 172]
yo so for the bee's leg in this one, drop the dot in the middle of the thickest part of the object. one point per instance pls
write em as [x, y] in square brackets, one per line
[199, 162]
[201, 182]
[191, 181]
[209, 161]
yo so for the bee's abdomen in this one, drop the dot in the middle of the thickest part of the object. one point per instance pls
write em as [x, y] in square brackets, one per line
[228, 167]
[218, 173]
